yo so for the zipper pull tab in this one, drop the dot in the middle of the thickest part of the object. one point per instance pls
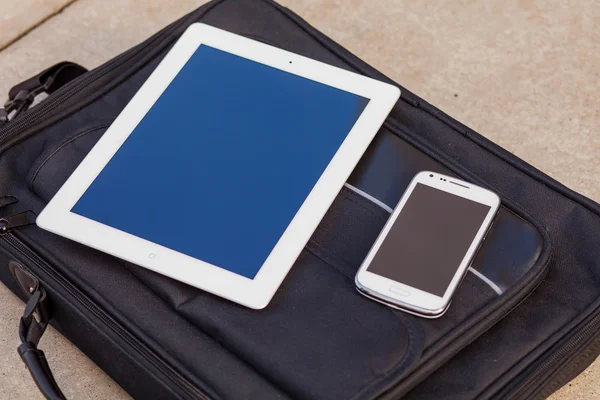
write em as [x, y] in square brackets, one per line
[7, 201]
[3, 116]
[14, 221]
[21, 102]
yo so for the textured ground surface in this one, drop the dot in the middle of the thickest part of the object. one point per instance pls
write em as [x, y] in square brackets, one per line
[523, 73]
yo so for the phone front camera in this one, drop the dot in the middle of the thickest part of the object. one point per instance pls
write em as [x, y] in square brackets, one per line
[431, 175]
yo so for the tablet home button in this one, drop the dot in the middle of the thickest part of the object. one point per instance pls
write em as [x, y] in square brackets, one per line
[399, 291]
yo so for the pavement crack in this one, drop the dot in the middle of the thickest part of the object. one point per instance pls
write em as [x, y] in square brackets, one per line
[37, 24]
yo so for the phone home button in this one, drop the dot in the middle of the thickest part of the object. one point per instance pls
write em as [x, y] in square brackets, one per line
[399, 291]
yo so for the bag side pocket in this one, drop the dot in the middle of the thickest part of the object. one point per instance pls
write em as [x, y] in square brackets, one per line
[56, 162]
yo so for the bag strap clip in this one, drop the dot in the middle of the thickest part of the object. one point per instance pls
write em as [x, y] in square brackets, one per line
[22, 96]
[33, 324]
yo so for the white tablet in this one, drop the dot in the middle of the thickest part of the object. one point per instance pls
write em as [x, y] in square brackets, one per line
[223, 164]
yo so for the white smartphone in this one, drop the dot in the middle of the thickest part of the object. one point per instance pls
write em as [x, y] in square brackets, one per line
[427, 245]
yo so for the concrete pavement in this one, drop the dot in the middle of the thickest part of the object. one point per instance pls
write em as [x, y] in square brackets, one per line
[525, 74]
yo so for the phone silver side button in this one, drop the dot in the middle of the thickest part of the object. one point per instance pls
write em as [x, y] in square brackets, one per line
[399, 291]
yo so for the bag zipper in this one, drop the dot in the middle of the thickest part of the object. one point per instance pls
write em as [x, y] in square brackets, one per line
[546, 367]
[178, 379]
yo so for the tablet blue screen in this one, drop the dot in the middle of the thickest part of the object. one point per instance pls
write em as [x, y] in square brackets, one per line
[223, 160]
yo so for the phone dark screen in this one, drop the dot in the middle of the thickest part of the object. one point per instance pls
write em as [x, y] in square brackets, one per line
[429, 239]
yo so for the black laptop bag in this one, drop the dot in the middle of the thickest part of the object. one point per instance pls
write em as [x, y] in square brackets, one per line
[523, 323]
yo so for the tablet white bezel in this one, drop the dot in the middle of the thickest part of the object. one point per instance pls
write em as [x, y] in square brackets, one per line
[254, 293]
